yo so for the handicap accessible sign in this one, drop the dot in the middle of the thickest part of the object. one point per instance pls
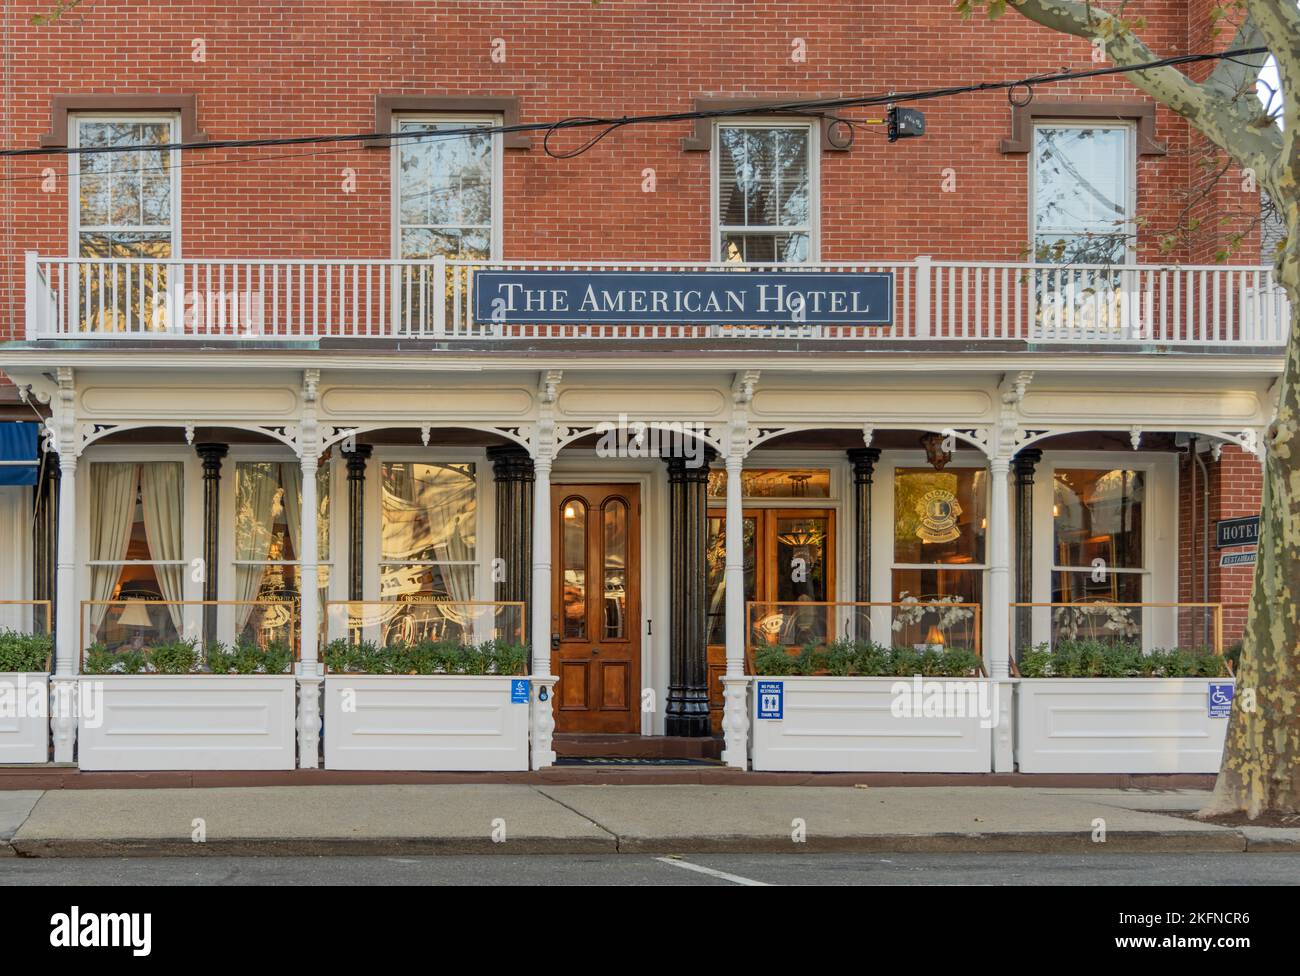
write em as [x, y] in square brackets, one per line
[519, 691]
[771, 699]
[1220, 699]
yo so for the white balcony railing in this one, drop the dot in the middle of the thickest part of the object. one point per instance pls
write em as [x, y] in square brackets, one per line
[211, 299]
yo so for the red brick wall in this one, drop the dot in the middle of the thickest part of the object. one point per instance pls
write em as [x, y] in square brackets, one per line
[1235, 486]
[295, 68]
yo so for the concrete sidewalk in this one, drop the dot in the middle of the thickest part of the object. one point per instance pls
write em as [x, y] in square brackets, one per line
[526, 819]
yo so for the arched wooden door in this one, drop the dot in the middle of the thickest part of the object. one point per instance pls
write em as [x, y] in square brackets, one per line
[596, 608]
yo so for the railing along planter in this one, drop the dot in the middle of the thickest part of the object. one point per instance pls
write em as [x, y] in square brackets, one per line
[850, 705]
[1156, 718]
[163, 707]
[426, 703]
[25, 689]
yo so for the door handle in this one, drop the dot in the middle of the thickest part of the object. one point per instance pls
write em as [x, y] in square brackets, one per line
[595, 650]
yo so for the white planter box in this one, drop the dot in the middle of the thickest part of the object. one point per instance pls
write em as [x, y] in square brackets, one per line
[187, 721]
[24, 717]
[430, 722]
[1117, 725]
[834, 724]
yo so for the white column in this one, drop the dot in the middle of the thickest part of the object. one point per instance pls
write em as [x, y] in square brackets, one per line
[997, 608]
[66, 651]
[309, 673]
[735, 714]
[542, 699]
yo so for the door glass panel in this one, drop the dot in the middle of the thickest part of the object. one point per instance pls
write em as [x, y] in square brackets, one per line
[801, 559]
[717, 564]
[615, 569]
[574, 569]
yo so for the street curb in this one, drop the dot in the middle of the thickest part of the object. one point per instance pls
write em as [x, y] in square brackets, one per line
[1012, 842]
[307, 847]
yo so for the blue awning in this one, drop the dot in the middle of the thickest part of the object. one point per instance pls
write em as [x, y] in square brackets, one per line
[18, 457]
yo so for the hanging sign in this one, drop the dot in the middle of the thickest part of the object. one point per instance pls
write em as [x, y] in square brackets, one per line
[1236, 532]
[683, 298]
[1219, 703]
[771, 699]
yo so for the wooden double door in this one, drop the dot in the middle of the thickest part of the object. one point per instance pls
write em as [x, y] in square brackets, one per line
[789, 558]
[596, 607]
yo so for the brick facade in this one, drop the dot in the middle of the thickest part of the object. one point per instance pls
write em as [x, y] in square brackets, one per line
[1235, 485]
[300, 68]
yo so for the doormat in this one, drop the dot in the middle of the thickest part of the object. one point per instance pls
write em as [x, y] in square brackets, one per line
[631, 761]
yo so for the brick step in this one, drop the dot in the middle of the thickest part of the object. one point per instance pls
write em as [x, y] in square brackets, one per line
[581, 744]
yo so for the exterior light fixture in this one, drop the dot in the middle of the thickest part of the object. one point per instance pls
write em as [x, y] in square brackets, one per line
[934, 451]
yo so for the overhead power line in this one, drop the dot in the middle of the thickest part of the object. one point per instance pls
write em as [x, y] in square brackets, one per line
[607, 125]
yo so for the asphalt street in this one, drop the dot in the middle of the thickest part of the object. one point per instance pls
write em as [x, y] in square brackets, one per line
[649, 869]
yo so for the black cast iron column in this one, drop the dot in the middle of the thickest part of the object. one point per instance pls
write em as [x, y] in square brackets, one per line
[211, 455]
[357, 458]
[864, 465]
[45, 533]
[512, 470]
[1023, 465]
[687, 712]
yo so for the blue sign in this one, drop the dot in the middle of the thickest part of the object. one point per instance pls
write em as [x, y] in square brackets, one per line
[771, 699]
[519, 691]
[683, 298]
[18, 454]
[1236, 532]
[1220, 699]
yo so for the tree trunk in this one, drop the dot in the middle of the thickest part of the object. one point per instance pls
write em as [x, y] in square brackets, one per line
[1261, 759]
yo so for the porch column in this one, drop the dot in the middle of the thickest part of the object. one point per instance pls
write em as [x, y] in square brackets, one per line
[66, 650]
[997, 602]
[864, 465]
[542, 726]
[45, 534]
[512, 471]
[997, 607]
[735, 714]
[211, 455]
[1024, 464]
[687, 711]
[357, 458]
[309, 674]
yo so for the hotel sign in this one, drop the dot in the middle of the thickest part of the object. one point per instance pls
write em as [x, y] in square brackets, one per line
[682, 298]
[1236, 532]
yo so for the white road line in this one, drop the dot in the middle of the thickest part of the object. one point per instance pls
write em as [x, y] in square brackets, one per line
[734, 878]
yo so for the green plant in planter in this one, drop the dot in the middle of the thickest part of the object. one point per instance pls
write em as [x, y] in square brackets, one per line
[174, 657]
[426, 657]
[1100, 659]
[100, 660]
[21, 652]
[247, 657]
[847, 658]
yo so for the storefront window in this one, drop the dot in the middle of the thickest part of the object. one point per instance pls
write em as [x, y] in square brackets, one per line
[136, 548]
[429, 516]
[268, 543]
[1098, 551]
[939, 536]
[774, 483]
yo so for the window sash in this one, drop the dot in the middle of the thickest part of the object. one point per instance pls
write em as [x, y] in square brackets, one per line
[77, 228]
[410, 123]
[1121, 228]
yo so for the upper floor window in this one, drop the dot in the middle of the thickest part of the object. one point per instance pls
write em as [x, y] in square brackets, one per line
[447, 190]
[766, 193]
[1082, 193]
[124, 204]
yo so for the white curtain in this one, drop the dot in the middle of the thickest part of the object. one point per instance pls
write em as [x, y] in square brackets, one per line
[112, 512]
[254, 506]
[162, 494]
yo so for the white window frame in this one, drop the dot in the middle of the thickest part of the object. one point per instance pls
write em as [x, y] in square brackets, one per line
[1159, 534]
[191, 525]
[813, 228]
[498, 172]
[75, 228]
[1129, 229]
